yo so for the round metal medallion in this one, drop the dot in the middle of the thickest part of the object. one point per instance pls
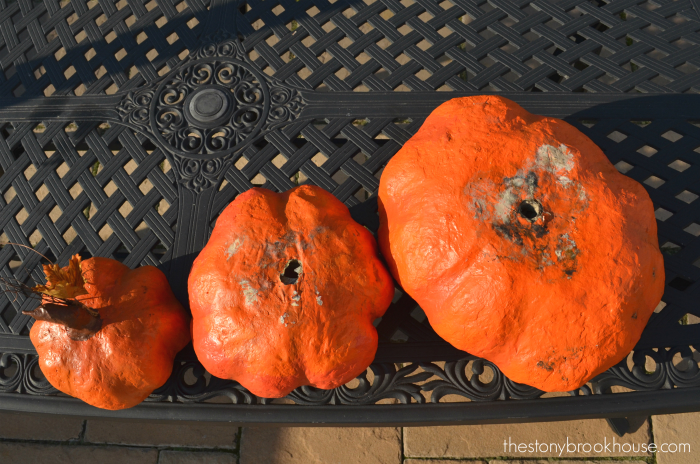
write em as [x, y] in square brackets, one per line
[209, 108]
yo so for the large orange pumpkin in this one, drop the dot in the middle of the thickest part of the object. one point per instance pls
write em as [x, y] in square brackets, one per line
[285, 293]
[117, 343]
[521, 241]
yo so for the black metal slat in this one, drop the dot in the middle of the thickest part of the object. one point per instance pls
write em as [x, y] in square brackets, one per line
[508, 48]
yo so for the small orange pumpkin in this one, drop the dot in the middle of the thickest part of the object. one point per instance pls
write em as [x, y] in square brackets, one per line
[521, 241]
[113, 338]
[285, 293]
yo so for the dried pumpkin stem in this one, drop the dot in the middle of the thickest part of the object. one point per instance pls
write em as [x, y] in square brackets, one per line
[80, 321]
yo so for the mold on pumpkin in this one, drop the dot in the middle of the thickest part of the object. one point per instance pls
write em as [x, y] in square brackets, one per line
[294, 304]
[112, 342]
[534, 252]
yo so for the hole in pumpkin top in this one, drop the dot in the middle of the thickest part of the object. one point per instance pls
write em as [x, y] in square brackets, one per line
[530, 209]
[291, 272]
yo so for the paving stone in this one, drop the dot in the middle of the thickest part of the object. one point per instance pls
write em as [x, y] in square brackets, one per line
[677, 429]
[451, 461]
[487, 441]
[203, 435]
[193, 457]
[548, 462]
[23, 453]
[320, 445]
[39, 426]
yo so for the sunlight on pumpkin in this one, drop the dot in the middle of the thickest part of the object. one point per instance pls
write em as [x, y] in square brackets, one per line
[66, 282]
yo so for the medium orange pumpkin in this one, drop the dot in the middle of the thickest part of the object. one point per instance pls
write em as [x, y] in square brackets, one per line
[112, 342]
[285, 293]
[521, 241]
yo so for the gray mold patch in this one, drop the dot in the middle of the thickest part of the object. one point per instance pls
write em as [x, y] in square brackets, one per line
[506, 203]
[284, 320]
[250, 294]
[518, 187]
[567, 254]
[234, 247]
[554, 159]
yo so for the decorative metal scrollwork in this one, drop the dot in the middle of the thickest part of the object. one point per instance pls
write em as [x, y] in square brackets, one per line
[134, 107]
[199, 175]
[286, 104]
[666, 374]
[20, 373]
[407, 385]
[220, 43]
[454, 381]
[190, 382]
[209, 107]
[212, 105]
[204, 387]
[388, 383]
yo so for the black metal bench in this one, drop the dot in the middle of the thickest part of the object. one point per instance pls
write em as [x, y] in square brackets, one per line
[118, 138]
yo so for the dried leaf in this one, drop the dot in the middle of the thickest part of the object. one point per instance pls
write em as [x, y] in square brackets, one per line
[64, 282]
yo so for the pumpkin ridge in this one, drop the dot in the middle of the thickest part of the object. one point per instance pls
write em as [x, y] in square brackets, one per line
[132, 353]
[533, 228]
[294, 258]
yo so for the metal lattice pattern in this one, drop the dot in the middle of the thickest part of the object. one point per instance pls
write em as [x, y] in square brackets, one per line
[105, 186]
[84, 48]
[90, 189]
[344, 156]
[470, 378]
[663, 156]
[475, 45]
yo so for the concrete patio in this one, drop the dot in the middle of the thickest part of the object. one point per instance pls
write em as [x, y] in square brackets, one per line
[62, 439]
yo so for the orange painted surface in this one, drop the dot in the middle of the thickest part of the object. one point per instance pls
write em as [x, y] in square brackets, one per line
[144, 327]
[272, 334]
[521, 241]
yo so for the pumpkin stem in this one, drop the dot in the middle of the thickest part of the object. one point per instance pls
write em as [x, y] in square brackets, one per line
[80, 321]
